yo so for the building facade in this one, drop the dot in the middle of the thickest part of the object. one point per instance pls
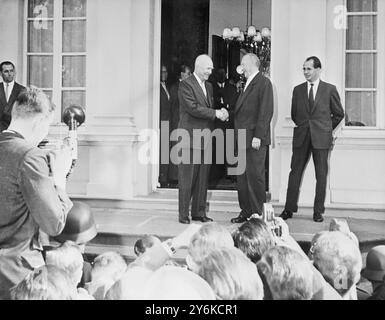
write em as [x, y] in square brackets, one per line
[105, 55]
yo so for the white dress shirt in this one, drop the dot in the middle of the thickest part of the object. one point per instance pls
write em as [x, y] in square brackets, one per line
[315, 88]
[202, 84]
[10, 88]
[249, 79]
[165, 89]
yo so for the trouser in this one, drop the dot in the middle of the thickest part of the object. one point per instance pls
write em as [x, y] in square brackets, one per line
[251, 184]
[299, 160]
[193, 183]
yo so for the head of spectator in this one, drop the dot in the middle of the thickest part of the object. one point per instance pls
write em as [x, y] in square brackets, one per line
[287, 273]
[374, 270]
[107, 268]
[338, 259]
[203, 67]
[254, 238]
[231, 275]
[45, 283]
[32, 115]
[7, 71]
[175, 283]
[142, 244]
[130, 284]
[69, 258]
[210, 236]
[80, 226]
[185, 72]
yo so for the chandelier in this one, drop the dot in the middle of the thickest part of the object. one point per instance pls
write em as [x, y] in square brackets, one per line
[252, 41]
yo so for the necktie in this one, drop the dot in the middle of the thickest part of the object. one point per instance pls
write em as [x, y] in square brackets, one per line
[165, 90]
[311, 97]
[204, 88]
[6, 91]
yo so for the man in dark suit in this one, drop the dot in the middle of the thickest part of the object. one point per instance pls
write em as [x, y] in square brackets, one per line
[165, 115]
[253, 113]
[185, 72]
[196, 113]
[316, 111]
[9, 90]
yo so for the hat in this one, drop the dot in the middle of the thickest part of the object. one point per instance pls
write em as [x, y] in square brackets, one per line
[80, 225]
[375, 264]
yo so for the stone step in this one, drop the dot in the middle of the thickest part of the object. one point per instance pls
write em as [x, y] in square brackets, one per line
[166, 201]
[119, 229]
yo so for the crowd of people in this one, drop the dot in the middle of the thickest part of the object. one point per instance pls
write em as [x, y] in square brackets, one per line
[247, 262]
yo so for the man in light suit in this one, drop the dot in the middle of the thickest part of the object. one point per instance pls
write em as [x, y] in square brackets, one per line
[316, 111]
[196, 110]
[9, 90]
[253, 113]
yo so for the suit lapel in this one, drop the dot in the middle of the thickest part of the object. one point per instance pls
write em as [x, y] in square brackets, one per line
[320, 92]
[199, 89]
[244, 94]
[13, 96]
[305, 96]
[3, 102]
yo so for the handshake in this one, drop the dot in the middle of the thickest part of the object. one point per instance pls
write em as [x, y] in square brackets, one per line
[222, 114]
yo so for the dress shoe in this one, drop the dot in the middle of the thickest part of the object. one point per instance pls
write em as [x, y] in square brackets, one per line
[202, 219]
[184, 220]
[239, 219]
[286, 214]
[317, 217]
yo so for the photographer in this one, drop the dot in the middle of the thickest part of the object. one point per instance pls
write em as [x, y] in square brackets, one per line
[32, 188]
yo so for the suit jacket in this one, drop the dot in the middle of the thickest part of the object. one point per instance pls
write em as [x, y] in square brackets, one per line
[29, 201]
[195, 110]
[254, 110]
[165, 106]
[327, 113]
[6, 107]
[174, 103]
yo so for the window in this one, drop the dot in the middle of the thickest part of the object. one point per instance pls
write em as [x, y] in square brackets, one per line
[361, 64]
[56, 50]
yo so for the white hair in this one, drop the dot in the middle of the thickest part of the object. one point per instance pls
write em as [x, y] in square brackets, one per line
[69, 258]
[338, 259]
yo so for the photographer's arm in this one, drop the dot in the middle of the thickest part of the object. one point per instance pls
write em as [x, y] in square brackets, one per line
[157, 255]
[48, 204]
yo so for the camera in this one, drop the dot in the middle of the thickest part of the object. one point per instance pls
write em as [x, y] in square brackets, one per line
[269, 218]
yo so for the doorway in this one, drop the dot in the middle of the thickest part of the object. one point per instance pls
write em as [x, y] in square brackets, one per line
[193, 27]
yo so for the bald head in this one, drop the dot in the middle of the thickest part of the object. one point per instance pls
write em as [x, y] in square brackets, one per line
[203, 67]
[250, 64]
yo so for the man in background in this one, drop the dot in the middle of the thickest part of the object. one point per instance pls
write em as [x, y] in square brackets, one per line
[9, 90]
[316, 111]
[165, 116]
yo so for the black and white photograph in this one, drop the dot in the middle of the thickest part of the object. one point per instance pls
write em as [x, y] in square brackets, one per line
[192, 150]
